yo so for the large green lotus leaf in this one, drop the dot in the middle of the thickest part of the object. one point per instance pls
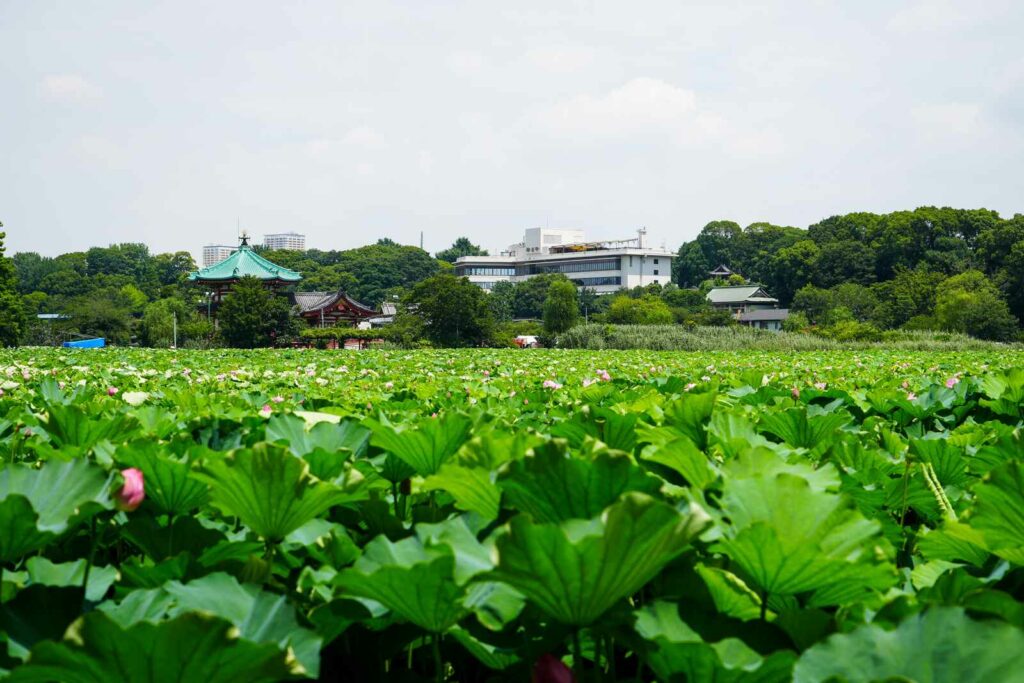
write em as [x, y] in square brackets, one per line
[789, 538]
[690, 415]
[798, 428]
[260, 617]
[38, 613]
[268, 489]
[576, 570]
[413, 581]
[160, 541]
[731, 596]
[684, 457]
[168, 485]
[473, 488]
[424, 445]
[43, 571]
[552, 486]
[999, 511]
[941, 645]
[192, 647]
[676, 652]
[489, 655]
[955, 542]
[70, 425]
[39, 504]
[490, 449]
[301, 438]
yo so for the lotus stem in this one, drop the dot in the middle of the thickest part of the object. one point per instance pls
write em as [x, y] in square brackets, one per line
[435, 640]
[89, 560]
[764, 605]
[577, 657]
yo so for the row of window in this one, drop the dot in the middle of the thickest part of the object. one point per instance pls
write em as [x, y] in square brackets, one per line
[569, 267]
[486, 270]
[597, 281]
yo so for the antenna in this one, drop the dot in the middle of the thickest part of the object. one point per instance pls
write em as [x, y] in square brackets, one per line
[421, 239]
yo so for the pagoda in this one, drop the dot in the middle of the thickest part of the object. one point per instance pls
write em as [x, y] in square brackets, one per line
[223, 275]
[721, 271]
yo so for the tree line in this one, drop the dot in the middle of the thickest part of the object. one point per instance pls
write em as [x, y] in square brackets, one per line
[847, 276]
[930, 268]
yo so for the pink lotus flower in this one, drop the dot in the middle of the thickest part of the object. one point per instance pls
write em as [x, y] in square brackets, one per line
[552, 384]
[389, 385]
[952, 382]
[132, 492]
[820, 386]
[487, 373]
[112, 391]
[911, 396]
[604, 376]
[61, 384]
[550, 669]
[266, 410]
[689, 386]
[278, 399]
[526, 401]
[587, 382]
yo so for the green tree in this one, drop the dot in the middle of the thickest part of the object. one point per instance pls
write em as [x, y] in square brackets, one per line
[157, 325]
[252, 316]
[647, 310]
[103, 312]
[970, 303]
[561, 309]
[530, 294]
[501, 300]
[461, 247]
[454, 311]
[12, 313]
[794, 267]
[815, 303]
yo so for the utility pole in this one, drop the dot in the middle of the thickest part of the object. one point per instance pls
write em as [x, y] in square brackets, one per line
[175, 314]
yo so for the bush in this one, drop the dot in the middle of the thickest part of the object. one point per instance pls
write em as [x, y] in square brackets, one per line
[646, 310]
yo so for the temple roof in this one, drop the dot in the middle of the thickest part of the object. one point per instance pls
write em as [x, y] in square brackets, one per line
[242, 262]
[311, 302]
[740, 294]
[721, 271]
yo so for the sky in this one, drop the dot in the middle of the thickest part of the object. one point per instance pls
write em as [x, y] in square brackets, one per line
[172, 122]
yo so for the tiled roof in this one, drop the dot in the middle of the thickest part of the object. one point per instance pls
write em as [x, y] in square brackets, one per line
[765, 314]
[739, 294]
[242, 262]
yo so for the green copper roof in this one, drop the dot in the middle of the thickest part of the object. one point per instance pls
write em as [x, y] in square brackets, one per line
[244, 261]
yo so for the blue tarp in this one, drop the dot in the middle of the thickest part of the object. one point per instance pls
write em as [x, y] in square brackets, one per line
[97, 343]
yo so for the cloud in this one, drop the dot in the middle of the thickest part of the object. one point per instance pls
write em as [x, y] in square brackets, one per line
[927, 15]
[654, 111]
[99, 151]
[465, 63]
[562, 59]
[639, 105]
[69, 88]
[948, 120]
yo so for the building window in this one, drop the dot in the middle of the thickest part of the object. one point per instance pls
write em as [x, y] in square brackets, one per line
[597, 281]
[581, 266]
[655, 263]
[655, 270]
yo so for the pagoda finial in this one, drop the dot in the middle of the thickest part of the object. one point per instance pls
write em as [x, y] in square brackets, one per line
[244, 238]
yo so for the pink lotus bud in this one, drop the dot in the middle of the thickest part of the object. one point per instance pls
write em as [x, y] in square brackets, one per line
[795, 393]
[266, 410]
[389, 385]
[603, 374]
[550, 669]
[526, 401]
[952, 382]
[132, 492]
[111, 391]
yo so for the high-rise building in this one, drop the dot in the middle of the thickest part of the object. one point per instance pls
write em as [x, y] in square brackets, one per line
[605, 267]
[215, 253]
[285, 240]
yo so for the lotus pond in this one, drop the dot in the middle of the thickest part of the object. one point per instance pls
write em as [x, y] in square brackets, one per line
[485, 515]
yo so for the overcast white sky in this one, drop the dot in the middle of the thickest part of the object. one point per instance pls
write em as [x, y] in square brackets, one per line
[165, 121]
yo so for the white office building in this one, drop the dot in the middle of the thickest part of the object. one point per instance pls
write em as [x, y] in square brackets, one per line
[285, 240]
[215, 253]
[604, 266]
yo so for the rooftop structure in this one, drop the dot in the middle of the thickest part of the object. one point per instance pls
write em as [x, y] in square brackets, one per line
[285, 240]
[243, 261]
[604, 266]
[721, 271]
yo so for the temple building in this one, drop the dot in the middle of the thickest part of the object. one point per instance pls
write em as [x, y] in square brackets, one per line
[319, 309]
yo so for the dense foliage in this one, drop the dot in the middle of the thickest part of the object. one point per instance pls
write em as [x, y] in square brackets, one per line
[478, 516]
[896, 266]
[12, 313]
